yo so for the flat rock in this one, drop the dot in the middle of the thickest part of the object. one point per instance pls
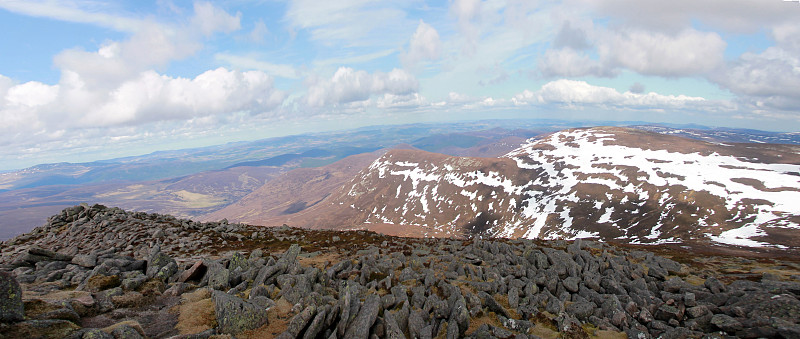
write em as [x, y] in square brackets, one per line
[235, 315]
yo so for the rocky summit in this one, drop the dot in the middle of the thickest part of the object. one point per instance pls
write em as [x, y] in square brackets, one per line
[98, 272]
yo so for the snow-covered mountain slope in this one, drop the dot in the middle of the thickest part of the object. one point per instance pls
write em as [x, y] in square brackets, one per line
[610, 183]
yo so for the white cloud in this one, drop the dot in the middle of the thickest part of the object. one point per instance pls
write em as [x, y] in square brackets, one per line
[348, 85]
[350, 22]
[424, 45]
[248, 62]
[259, 32]
[730, 15]
[80, 11]
[353, 58]
[31, 94]
[467, 13]
[572, 37]
[688, 53]
[775, 72]
[211, 19]
[407, 101]
[567, 62]
[577, 93]
[5, 85]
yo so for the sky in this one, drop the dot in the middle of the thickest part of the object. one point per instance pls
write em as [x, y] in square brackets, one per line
[83, 80]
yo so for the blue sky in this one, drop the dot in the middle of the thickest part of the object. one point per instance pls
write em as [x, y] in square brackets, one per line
[89, 79]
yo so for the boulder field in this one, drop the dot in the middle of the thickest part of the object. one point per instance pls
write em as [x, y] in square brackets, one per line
[98, 272]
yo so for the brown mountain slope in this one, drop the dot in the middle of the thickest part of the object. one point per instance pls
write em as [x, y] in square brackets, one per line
[293, 192]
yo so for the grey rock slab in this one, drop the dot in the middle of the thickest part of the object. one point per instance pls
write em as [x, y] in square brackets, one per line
[393, 330]
[316, 325]
[360, 326]
[218, 276]
[726, 323]
[714, 285]
[581, 310]
[298, 323]
[459, 315]
[85, 260]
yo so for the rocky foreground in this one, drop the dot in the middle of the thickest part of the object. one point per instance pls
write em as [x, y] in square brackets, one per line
[97, 272]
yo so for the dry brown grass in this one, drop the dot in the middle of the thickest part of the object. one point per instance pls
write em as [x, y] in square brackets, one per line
[279, 317]
[196, 312]
[130, 323]
[130, 299]
[544, 332]
[502, 299]
[320, 260]
[489, 319]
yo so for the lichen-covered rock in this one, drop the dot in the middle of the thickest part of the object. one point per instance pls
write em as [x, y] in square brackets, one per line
[11, 306]
[161, 266]
[235, 315]
[238, 260]
[218, 276]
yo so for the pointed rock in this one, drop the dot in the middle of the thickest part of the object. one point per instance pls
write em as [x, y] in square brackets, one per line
[11, 306]
[360, 326]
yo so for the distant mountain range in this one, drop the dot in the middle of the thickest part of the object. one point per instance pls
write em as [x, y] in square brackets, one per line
[619, 184]
[315, 180]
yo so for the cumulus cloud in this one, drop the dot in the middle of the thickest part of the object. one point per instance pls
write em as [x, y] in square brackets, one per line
[348, 85]
[5, 84]
[575, 93]
[424, 45]
[150, 97]
[767, 80]
[153, 97]
[687, 53]
[118, 87]
[153, 45]
[775, 72]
